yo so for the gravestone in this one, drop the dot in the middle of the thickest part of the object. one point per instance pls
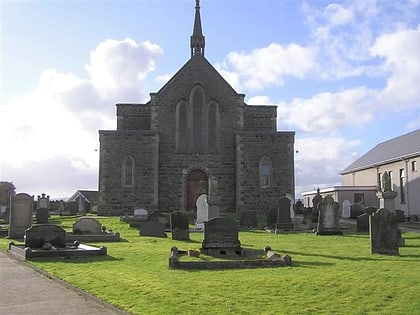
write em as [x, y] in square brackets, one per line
[20, 215]
[202, 211]
[272, 218]
[140, 213]
[346, 209]
[356, 209]
[248, 219]
[316, 200]
[370, 210]
[42, 234]
[284, 222]
[43, 201]
[221, 238]
[41, 216]
[363, 223]
[384, 235]
[152, 228]
[180, 226]
[328, 218]
[86, 225]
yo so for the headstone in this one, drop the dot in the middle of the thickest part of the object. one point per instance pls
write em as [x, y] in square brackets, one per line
[180, 226]
[272, 218]
[346, 209]
[43, 201]
[284, 221]
[315, 205]
[41, 215]
[384, 236]
[371, 210]
[221, 238]
[328, 219]
[40, 235]
[363, 223]
[141, 213]
[248, 219]
[202, 211]
[86, 225]
[155, 215]
[20, 215]
[291, 205]
[152, 228]
[356, 209]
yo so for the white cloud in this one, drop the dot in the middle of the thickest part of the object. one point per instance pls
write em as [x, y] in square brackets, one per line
[268, 66]
[338, 15]
[59, 120]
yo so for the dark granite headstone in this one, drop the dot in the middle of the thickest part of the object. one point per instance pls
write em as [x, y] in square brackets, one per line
[38, 235]
[384, 235]
[284, 222]
[42, 215]
[328, 217]
[221, 237]
[180, 226]
[363, 223]
[152, 228]
[248, 219]
[356, 209]
[272, 218]
[370, 210]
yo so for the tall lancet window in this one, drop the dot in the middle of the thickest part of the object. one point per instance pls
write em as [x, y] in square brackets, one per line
[213, 126]
[127, 171]
[181, 127]
[197, 118]
[265, 172]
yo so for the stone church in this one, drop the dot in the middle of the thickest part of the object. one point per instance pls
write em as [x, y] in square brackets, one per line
[195, 136]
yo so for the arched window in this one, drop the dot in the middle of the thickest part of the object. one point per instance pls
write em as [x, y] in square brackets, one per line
[213, 126]
[181, 127]
[197, 118]
[265, 172]
[127, 171]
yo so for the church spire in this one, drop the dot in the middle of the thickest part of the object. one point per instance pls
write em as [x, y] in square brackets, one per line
[197, 38]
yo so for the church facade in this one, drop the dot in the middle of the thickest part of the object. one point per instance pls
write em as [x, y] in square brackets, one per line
[195, 136]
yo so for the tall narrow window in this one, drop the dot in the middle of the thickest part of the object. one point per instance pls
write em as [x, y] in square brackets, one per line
[391, 179]
[265, 172]
[181, 127]
[402, 185]
[213, 121]
[379, 181]
[128, 171]
[197, 111]
[413, 166]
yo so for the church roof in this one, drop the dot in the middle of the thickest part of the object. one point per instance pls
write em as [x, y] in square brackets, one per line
[402, 147]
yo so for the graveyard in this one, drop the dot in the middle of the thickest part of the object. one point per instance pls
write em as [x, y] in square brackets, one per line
[328, 274]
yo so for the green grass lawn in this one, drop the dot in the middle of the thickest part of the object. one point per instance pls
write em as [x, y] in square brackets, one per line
[329, 275]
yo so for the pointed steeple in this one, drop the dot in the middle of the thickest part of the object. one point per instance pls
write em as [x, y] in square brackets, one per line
[197, 38]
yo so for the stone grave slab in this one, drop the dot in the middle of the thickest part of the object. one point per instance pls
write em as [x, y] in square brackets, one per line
[179, 226]
[20, 215]
[221, 238]
[384, 235]
[41, 235]
[42, 215]
[152, 228]
[202, 211]
[86, 225]
[284, 221]
[328, 217]
[363, 223]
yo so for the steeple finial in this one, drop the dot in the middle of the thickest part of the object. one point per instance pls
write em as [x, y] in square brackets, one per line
[197, 38]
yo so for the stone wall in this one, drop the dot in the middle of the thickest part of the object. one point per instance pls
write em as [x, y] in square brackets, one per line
[260, 118]
[133, 117]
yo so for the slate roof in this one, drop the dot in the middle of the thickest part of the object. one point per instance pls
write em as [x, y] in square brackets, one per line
[89, 195]
[402, 147]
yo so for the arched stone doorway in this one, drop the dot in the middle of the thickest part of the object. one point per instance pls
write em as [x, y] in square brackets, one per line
[197, 184]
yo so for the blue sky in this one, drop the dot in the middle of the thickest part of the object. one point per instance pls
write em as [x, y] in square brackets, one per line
[344, 75]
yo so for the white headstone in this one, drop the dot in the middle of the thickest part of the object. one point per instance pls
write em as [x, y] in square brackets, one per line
[292, 202]
[202, 211]
[140, 213]
[346, 209]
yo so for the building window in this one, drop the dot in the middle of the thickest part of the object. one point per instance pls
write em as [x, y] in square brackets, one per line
[413, 166]
[128, 171]
[265, 172]
[402, 185]
[197, 119]
[379, 181]
[181, 127]
[359, 198]
[213, 127]
[391, 180]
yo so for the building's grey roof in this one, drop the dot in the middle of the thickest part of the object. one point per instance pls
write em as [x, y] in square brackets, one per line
[89, 195]
[402, 147]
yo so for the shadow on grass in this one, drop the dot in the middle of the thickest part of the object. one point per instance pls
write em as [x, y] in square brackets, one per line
[308, 264]
[80, 260]
[375, 257]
